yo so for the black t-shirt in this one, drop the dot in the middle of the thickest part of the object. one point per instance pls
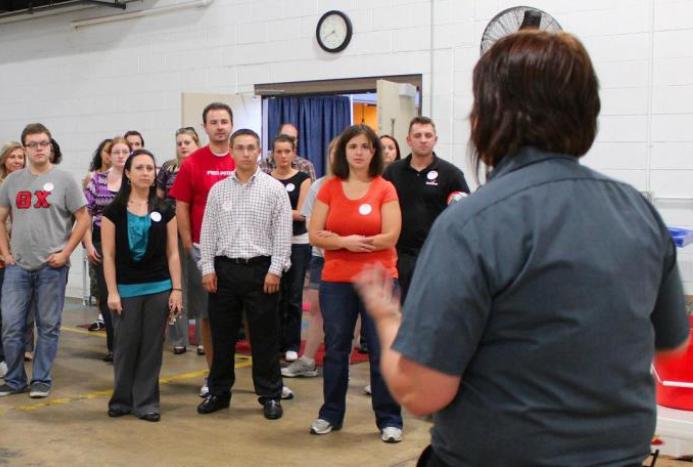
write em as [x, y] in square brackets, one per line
[293, 189]
[422, 197]
[547, 292]
[153, 266]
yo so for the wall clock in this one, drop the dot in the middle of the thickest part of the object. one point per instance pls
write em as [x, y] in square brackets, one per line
[334, 31]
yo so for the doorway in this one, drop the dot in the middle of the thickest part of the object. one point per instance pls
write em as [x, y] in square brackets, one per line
[385, 103]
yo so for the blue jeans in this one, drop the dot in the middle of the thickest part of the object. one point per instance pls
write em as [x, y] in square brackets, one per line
[47, 288]
[2, 352]
[341, 305]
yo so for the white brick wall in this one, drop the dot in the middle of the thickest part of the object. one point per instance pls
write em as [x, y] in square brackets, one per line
[98, 81]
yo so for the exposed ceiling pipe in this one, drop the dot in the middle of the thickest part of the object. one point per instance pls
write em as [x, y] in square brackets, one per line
[82, 23]
[37, 12]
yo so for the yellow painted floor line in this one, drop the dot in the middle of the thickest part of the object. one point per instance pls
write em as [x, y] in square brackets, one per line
[242, 361]
[83, 331]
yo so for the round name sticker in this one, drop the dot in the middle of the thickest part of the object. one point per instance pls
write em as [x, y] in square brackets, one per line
[432, 175]
[48, 187]
[155, 216]
[290, 187]
[365, 209]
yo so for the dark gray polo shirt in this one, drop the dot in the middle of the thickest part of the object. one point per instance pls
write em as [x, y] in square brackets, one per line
[547, 291]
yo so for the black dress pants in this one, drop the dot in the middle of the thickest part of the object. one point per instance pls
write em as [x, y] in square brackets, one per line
[406, 262]
[240, 288]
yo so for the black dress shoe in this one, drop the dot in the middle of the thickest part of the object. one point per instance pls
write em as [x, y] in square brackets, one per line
[273, 409]
[117, 412]
[151, 417]
[212, 403]
[108, 357]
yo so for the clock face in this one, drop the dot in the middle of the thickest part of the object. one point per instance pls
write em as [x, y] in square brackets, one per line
[334, 31]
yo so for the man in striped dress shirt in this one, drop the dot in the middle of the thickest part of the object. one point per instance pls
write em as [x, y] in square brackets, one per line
[245, 246]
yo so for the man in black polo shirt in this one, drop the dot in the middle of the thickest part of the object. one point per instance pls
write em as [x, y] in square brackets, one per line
[424, 184]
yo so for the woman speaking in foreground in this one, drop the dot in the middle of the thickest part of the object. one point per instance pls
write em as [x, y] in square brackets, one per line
[538, 302]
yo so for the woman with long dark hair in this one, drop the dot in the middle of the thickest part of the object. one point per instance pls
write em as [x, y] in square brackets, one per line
[142, 271]
[100, 162]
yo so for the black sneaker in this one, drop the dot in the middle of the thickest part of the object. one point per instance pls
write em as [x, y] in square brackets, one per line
[6, 390]
[39, 390]
[97, 326]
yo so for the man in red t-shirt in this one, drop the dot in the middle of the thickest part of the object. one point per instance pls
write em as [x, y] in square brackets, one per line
[197, 174]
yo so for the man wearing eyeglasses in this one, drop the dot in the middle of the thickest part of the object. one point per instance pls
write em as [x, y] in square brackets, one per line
[49, 218]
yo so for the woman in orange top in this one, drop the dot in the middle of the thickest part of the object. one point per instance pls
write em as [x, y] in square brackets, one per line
[356, 220]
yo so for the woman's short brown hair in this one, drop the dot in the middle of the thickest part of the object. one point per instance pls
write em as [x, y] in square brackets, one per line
[534, 89]
[340, 166]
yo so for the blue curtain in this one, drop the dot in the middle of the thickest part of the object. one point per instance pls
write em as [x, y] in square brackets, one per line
[318, 118]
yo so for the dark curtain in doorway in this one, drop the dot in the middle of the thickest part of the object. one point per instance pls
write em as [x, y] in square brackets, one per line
[318, 118]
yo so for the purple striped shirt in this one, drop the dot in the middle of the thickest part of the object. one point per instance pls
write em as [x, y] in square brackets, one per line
[98, 196]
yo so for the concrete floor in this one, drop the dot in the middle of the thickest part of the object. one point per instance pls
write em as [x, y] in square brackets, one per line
[71, 428]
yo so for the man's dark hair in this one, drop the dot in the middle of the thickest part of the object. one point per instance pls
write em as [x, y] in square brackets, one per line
[420, 120]
[244, 132]
[216, 106]
[134, 133]
[534, 89]
[34, 129]
[340, 165]
[284, 139]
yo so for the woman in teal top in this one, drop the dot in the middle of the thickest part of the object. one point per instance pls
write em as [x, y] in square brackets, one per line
[142, 270]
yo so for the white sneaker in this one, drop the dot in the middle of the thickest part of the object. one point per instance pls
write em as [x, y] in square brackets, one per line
[290, 356]
[391, 434]
[3, 369]
[301, 367]
[287, 393]
[367, 389]
[321, 427]
[204, 390]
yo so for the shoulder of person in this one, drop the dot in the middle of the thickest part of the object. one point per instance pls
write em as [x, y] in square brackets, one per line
[302, 176]
[166, 210]
[304, 160]
[449, 166]
[112, 211]
[15, 175]
[397, 165]
[169, 165]
[58, 173]
[218, 187]
[195, 156]
[271, 181]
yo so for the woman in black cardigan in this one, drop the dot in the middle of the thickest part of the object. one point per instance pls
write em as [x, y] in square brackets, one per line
[142, 270]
